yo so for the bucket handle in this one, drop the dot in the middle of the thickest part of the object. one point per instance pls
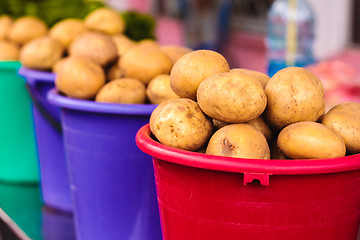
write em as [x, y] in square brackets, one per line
[47, 116]
[263, 178]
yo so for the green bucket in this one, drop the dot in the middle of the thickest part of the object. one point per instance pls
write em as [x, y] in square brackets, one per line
[18, 151]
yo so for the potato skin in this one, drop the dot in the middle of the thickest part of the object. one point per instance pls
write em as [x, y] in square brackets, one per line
[175, 52]
[344, 119]
[57, 66]
[275, 151]
[5, 24]
[105, 20]
[123, 43]
[80, 78]
[294, 94]
[261, 77]
[66, 30]
[310, 140]
[114, 72]
[159, 89]
[122, 90]
[97, 47]
[193, 68]
[180, 123]
[25, 29]
[41, 53]
[144, 63]
[240, 141]
[260, 125]
[231, 97]
[9, 51]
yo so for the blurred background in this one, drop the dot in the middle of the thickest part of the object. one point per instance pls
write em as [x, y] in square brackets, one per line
[261, 35]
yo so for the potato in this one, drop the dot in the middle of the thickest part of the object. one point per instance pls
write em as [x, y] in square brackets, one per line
[294, 94]
[260, 125]
[57, 66]
[193, 68]
[261, 77]
[95, 46]
[123, 43]
[159, 89]
[5, 24]
[122, 90]
[231, 97]
[80, 78]
[240, 141]
[66, 30]
[149, 43]
[219, 124]
[145, 63]
[41, 53]
[344, 119]
[180, 123]
[8, 51]
[175, 52]
[257, 123]
[26, 29]
[275, 151]
[310, 140]
[114, 72]
[105, 20]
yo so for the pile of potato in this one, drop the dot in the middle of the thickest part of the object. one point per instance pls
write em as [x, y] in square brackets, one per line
[240, 113]
[92, 58]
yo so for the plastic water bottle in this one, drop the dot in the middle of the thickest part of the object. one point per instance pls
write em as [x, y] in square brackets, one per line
[290, 34]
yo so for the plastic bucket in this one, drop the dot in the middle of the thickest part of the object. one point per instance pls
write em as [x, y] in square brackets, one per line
[18, 153]
[210, 197]
[22, 203]
[53, 169]
[112, 181]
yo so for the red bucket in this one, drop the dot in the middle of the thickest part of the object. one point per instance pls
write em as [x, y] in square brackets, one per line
[220, 198]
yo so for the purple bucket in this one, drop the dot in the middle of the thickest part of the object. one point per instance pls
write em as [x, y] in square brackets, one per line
[112, 181]
[53, 169]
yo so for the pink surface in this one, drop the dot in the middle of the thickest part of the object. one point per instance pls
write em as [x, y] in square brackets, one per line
[245, 50]
[242, 49]
[143, 6]
[169, 31]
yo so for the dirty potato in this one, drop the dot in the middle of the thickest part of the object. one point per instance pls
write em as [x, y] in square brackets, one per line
[275, 151]
[145, 63]
[344, 119]
[240, 141]
[114, 72]
[25, 29]
[122, 90]
[175, 52]
[180, 123]
[123, 43]
[159, 89]
[9, 51]
[310, 140]
[66, 30]
[260, 125]
[261, 77]
[193, 68]
[105, 20]
[231, 97]
[294, 94]
[5, 23]
[97, 47]
[41, 53]
[80, 78]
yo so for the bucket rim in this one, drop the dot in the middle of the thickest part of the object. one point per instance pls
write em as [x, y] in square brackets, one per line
[10, 65]
[33, 76]
[91, 106]
[242, 165]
